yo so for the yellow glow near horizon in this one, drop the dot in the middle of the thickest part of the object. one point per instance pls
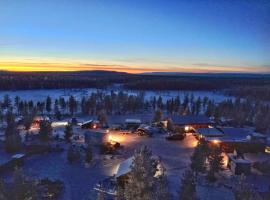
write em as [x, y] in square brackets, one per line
[51, 65]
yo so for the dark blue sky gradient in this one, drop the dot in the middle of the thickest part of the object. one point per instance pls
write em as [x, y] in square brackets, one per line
[231, 35]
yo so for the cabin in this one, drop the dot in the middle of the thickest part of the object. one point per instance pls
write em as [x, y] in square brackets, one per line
[231, 139]
[189, 122]
[132, 123]
[147, 130]
[38, 119]
[91, 124]
[109, 185]
[11, 162]
[208, 133]
[95, 138]
[238, 164]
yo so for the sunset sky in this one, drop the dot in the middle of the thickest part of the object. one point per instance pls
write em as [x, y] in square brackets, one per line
[135, 36]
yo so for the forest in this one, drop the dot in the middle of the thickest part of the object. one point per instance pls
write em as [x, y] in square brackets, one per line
[237, 113]
[256, 87]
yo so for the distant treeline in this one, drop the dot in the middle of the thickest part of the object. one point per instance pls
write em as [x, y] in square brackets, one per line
[54, 80]
[254, 87]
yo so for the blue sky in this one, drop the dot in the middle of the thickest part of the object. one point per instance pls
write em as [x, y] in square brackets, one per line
[135, 36]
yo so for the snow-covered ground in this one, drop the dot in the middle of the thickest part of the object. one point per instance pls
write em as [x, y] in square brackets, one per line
[41, 94]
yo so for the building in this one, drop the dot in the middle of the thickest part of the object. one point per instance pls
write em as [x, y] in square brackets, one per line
[239, 165]
[208, 133]
[231, 138]
[132, 123]
[91, 124]
[189, 122]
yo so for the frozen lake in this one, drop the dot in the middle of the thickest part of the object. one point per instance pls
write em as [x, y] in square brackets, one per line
[41, 94]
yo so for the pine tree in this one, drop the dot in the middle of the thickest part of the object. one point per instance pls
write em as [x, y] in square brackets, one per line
[199, 156]
[48, 104]
[45, 131]
[215, 161]
[68, 132]
[188, 186]
[157, 116]
[243, 191]
[102, 118]
[28, 119]
[12, 136]
[88, 154]
[72, 105]
[73, 154]
[170, 125]
[142, 185]
[23, 187]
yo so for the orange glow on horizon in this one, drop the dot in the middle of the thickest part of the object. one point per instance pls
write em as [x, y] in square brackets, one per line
[34, 66]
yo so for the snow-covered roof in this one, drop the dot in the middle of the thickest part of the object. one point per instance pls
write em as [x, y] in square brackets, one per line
[190, 119]
[209, 132]
[124, 167]
[19, 155]
[90, 121]
[133, 121]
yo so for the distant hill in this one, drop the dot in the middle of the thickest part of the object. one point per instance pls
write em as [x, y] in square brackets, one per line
[224, 75]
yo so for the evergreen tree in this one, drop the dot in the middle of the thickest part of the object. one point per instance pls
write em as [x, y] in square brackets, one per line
[170, 125]
[12, 136]
[199, 156]
[142, 185]
[102, 118]
[28, 119]
[48, 104]
[88, 154]
[73, 154]
[68, 132]
[188, 186]
[6, 102]
[243, 191]
[45, 131]
[72, 105]
[215, 161]
[23, 187]
[157, 116]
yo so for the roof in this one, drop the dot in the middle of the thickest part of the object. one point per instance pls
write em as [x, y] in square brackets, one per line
[190, 119]
[90, 121]
[238, 160]
[209, 132]
[19, 155]
[135, 121]
[124, 167]
[236, 133]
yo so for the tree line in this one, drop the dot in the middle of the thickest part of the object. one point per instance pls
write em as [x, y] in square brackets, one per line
[235, 112]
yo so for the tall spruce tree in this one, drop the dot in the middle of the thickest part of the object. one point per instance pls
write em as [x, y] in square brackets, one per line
[142, 185]
[45, 131]
[12, 136]
[188, 186]
[215, 161]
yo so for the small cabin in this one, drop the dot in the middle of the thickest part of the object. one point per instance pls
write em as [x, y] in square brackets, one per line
[189, 122]
[38, 119]
[238, 164]
[90, 124]
[208, 133]
[132, 123]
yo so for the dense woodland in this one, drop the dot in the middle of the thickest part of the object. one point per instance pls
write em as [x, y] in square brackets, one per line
[238, 112]
[254, 87]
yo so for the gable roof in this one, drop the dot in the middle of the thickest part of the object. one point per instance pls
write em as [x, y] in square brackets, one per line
[190, 119]
[209, 132]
